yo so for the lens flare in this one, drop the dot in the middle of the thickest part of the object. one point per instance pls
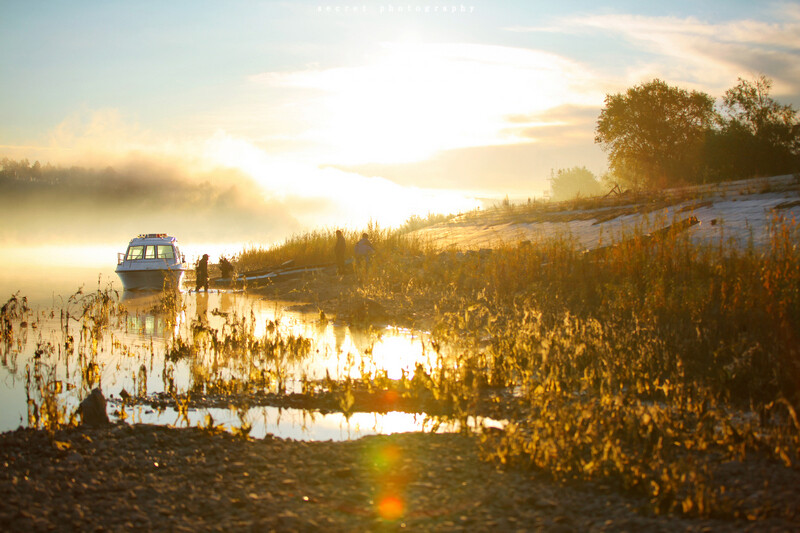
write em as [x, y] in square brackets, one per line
[386, 457]
[390, 507]
[385, 460]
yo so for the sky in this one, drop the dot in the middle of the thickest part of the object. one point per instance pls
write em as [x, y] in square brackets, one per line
[342, 112]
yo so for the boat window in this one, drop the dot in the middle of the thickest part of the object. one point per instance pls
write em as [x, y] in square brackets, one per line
[165, 251]
[134, 252]
[150, 252]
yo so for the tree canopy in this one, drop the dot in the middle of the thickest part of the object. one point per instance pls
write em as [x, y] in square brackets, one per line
[762, 134]
[573, 183]
[657, 135]
[654, 133]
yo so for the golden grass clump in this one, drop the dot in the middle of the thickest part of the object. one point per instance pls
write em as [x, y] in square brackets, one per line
[640, 365]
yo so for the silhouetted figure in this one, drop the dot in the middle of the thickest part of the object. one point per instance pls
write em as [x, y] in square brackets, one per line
[201, 274]
[225, 268]
[363, 250]
[339, 250]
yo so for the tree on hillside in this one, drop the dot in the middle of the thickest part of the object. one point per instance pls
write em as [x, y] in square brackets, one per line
[654, 134]
[759, 134]
[574, 182]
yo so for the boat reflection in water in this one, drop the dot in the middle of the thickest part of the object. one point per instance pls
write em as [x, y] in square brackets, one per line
[152, 261]
[144, 317]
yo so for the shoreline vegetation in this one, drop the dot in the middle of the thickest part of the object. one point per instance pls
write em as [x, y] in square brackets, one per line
[650, 384]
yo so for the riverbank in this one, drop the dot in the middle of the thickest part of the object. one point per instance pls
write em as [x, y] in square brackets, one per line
[733, 215]
[164, 479]
[627, 374]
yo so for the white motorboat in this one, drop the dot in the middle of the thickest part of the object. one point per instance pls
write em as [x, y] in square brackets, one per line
[152, 261]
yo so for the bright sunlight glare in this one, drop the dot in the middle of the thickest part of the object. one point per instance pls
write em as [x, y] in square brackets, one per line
[337, 196]
[414, 99]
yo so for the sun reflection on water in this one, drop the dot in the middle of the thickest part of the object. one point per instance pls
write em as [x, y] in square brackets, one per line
[297, 424]
[339, 350]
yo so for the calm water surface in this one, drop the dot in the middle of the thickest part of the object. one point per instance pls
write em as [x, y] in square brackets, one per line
[131, 354]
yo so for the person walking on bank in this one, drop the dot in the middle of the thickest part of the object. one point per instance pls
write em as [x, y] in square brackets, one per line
[339, 250]
[201, 274]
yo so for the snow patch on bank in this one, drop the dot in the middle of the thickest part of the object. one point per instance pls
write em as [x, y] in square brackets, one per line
[737, 213]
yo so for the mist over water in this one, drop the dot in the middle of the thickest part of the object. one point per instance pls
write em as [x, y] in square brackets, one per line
[233, 194]
[90, 206]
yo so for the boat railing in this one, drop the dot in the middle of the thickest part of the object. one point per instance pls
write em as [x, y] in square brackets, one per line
[120, 258]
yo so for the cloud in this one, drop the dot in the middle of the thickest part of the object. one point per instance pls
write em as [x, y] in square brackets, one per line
[708, 55]
[561, 126]
[102, 135]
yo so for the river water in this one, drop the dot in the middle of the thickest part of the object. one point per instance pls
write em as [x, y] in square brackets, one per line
[51, 352]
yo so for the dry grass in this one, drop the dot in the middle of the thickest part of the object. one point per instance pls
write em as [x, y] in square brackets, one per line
[641, 367]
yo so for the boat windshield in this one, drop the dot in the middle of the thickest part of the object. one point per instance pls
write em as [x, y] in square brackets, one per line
[134, 252]
[165, 251]
[150, 251]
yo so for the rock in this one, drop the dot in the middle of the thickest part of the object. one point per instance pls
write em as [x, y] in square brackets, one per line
[74, 458]
[367, 310]
[93, 409]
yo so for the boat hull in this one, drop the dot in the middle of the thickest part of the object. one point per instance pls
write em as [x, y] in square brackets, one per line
[135, 280]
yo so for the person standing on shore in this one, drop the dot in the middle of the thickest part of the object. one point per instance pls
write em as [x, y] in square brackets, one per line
[201, 274]
[226, 269]
[363, 250]
[339, 250]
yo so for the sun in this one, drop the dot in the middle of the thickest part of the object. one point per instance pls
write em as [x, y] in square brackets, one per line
[412, 99]
[405, 107]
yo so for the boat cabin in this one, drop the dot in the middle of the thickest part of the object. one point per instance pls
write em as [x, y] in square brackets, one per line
[152, 246]
[151, 260]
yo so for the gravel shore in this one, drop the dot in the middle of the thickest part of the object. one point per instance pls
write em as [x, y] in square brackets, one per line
[152, 478]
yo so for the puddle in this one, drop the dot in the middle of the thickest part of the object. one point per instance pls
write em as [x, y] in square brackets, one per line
[299, 424]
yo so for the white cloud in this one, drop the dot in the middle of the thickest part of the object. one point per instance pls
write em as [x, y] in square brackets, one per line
[705, 54]
[415, 99]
